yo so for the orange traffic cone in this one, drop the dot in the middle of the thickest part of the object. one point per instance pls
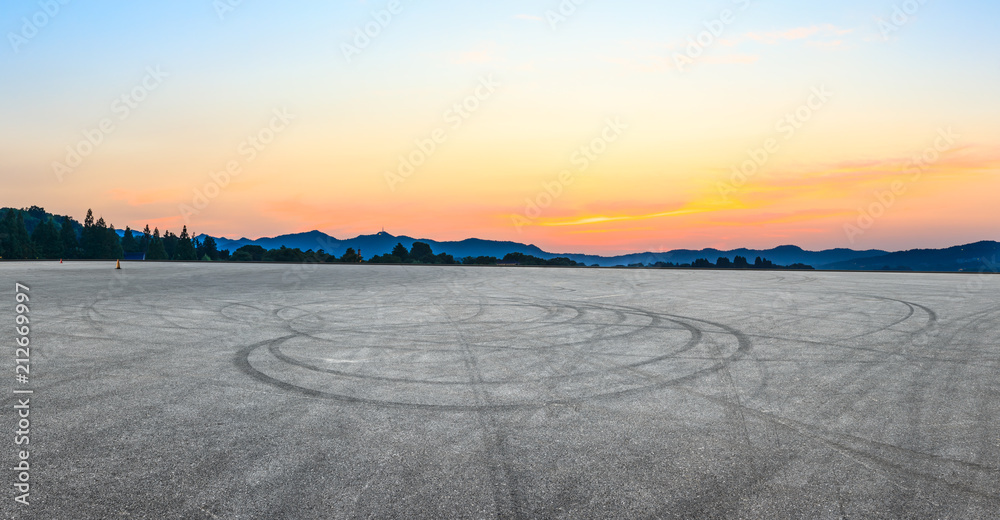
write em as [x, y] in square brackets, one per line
[60, 260]
[118, 264]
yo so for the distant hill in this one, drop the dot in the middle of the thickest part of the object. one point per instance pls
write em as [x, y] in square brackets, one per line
[980, 256]
[382, 243]
[35, 215]
[784, 255]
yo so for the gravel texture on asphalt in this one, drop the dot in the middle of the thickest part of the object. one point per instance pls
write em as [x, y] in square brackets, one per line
[169, 390]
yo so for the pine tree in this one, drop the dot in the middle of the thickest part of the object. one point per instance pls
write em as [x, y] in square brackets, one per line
[208, 248]
[47, 240]
[67, 235]
[89, 243]
[400, 252]
[38, 238]
[112, 245]
[185, 249]
[170, 245]
[156, 250]
[100, 242]
[144, 241]
[129, 243]
[23, 248]
[7, 223]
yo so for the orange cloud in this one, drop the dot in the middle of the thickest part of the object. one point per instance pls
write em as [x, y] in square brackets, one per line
[619, 218]
[617, 230]
[795, 217]
[814, 201]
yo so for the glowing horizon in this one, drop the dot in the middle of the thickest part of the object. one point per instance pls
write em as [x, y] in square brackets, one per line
[607, 128]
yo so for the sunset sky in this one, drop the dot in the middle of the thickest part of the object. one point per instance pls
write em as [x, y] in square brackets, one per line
[611, 118]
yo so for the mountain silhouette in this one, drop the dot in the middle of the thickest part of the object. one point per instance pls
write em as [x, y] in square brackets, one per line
[976, 257]
[383, 242]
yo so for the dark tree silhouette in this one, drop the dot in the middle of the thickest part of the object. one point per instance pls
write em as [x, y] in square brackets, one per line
[129, 243]
[112, 246]
[46, 239]
[170, 241]
[400, 252]
[88, 242]
[255, 253]
[480, 260]
[421, 252]
[208, 248]
[350, 256]
[185, 248]
[284, 254]
[156, 251]
[144, 241]
[67, 235]
[14, 240]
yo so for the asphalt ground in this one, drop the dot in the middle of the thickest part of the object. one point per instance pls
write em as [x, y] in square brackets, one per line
[168, 390]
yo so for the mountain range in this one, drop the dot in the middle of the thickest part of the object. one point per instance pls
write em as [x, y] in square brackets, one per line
[975, 257]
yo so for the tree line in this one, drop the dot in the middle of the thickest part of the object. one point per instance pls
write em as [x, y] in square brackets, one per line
[255, 253]
[521, 259]
[32, 233]
[419, 253]
[723, 262]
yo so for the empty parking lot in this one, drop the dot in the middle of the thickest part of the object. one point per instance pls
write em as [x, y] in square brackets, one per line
[170, 390]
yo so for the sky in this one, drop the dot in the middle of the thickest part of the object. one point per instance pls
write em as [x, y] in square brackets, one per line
[583, 126]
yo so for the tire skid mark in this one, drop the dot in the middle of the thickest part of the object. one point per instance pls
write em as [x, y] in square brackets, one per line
[744, 346]
[861, 377]
[931, 315]
[696, 337]
[864, 448]
[498, 460]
